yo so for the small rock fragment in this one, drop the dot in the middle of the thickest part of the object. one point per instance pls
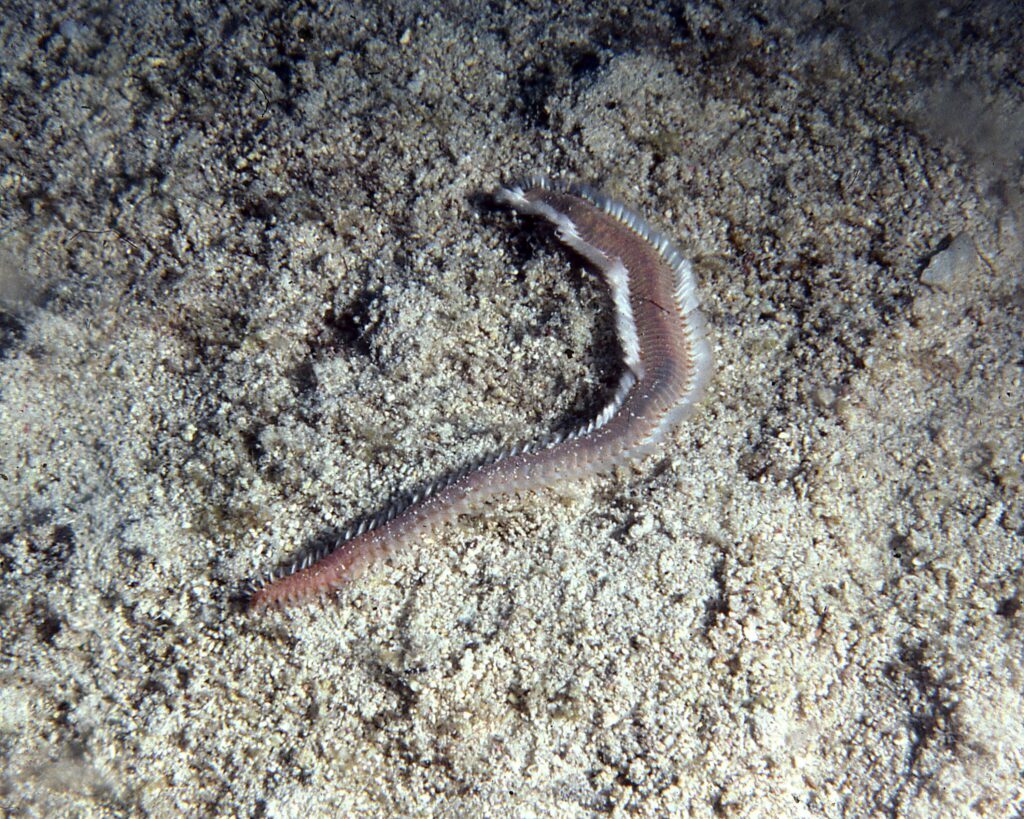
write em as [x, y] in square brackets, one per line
[951, 268]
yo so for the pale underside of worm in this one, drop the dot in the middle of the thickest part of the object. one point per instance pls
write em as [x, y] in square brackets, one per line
[666, 365]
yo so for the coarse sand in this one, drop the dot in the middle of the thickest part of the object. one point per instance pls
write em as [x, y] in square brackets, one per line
[252, 286]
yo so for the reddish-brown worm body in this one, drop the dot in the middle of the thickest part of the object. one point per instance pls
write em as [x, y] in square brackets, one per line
[667, 362]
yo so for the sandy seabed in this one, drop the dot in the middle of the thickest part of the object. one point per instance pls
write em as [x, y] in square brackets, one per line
[252, 287]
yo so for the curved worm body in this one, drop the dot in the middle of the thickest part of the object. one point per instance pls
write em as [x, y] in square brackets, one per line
[667, 362]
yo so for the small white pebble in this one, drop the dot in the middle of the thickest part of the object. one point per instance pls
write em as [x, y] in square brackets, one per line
[952, 268]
